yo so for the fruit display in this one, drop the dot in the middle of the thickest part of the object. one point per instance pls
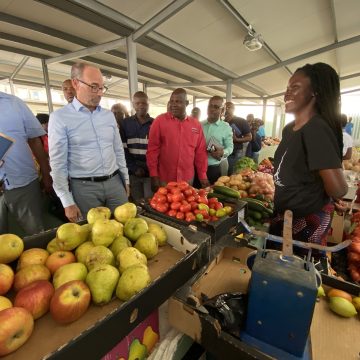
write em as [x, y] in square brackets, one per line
[83, 264]
[353, 255]
[181, 201]
[245, 163]
[266, 166]
[269, 141]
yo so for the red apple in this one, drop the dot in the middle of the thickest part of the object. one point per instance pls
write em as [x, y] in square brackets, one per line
[16, 326]
[6, 278]
[70, 301]
[35, 297]
[58, 259]
[29, 274]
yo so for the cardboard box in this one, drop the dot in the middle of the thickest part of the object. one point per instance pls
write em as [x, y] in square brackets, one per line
[103, 327]
[332, 337]
[337, 228]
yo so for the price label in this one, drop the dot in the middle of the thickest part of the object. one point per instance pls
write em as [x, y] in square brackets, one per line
[241, 214]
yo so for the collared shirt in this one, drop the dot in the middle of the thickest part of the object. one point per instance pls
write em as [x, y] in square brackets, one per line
[221, 132]
[174, 147]
[19, 123]
[135, 137]
[83, 144]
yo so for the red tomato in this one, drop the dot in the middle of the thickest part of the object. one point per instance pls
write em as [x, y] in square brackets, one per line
[178, 197]
[201, 192]
[218, 205]
[190, 198]
[172, 213]
[212, 200]
[183, 187]
[184, 202]
[153, 203]
[172, 183]
[190, 217]
[196, 197]
[196, 211]
[185, 208]
[183, 183]
[180, 215]
[203, 200]
[162, 207]
[162, 190]
[188, 192]
[212, 206]
[214, 218]
[175, 205]
[160, 198]
[194, 205]
[169, 198]
[204, 213]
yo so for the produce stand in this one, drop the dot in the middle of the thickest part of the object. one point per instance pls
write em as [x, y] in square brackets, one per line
[331, 336]
[101, 328]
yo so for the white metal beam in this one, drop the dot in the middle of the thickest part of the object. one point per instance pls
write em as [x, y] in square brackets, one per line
[228, 90]
[132, 66]
[87, 51]
[159, 18]
[19, 67]
[188, 84]
[47, 85]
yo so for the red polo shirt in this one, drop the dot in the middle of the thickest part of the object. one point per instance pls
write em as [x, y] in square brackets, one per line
[174, 147]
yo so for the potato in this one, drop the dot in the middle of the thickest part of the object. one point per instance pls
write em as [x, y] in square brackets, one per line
[224, 179]
[219, 183]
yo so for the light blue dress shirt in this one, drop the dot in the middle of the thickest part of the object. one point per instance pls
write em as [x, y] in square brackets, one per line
[83, 144]
[19, 123]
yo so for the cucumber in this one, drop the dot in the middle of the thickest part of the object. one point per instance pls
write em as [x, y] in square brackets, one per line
[226, 191]
[257, 205]
[250, 221]
[222, 198]
[256, 215]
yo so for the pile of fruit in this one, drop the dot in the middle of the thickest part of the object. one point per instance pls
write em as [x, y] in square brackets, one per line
[341, 302]
[266, 166]
[271, 141]
[82, 264]
[183, 202]
[354, 248]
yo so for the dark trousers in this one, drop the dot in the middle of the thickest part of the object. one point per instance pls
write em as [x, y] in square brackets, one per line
[213, 173]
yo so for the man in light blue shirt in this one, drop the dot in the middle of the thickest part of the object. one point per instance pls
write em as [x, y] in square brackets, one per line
[21, 195]
[219, 138]
[85, 148]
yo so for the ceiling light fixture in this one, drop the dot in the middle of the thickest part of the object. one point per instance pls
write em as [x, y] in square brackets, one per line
[252, 40]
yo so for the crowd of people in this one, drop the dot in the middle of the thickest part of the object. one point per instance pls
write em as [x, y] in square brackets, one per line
[89, 156]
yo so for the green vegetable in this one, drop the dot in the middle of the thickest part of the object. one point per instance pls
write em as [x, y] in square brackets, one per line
[244, 163]
[226, 191]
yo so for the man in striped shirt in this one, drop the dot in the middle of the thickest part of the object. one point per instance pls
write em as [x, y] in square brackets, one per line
[134, 132]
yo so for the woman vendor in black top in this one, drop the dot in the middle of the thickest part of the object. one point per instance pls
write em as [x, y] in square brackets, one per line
[308, 172]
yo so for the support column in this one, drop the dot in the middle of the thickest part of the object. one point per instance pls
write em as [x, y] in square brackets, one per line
[194, 101]
[228, 90]
[132, 66]
[264, 110]
[47, 85]
[12, 90]
[275, 120]
[144, 88]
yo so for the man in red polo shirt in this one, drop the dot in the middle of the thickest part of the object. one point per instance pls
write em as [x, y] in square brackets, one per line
[176, 144]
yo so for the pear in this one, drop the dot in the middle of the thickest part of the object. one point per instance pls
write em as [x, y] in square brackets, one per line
[125, 212]
[103, 232]
[69, 272]
[87, 229]
[119, 226]
[133, 280]
[11, 247]
[137, 351]
[134, 228]
[70, 235]
[99, 255]
[97, 213]
[147, 244]
[82, 251]
[129, 257]
[102, 281]
[120, 243]
[52, 246]
[159, 233]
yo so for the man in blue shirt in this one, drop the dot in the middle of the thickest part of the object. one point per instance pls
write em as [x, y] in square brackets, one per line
[349, 126]
[85, 148]
[134, 132]
[21, 195]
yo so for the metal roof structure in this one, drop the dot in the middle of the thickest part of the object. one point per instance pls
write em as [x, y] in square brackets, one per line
[164, 44]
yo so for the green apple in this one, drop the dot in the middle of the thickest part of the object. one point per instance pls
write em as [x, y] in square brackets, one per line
[147, 244]
[125, 212]
[220, 213]
[104, 232]
[129, 257]
[203, 207]
[102, 281]
[69, 272]
[97, 213]
[134, 228]
[199, 217]
[11, 247]
[159, 232]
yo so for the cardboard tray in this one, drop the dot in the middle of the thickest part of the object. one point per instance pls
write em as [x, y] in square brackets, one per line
[215, 229]
[330, 334]
[101, 328]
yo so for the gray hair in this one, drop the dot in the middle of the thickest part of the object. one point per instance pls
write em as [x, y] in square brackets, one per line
[77, 70]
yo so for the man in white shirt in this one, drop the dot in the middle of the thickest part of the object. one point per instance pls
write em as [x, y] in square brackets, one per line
[347, 139]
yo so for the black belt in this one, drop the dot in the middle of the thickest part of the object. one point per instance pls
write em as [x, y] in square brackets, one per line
[99, 178]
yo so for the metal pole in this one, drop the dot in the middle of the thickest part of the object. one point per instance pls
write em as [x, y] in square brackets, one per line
[194, 101]
[132, 66]
[47, 85]
[228, 90]
[275, 120]
[264, 110]
[12, 90]
[144, 88]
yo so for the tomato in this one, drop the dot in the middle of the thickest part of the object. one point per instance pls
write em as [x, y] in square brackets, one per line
[189, 217]
[203, 200]
[185, 208]
[153, 203]
[178, 197]
[212, 206]
[204, 213]
[183, 183]
[162, 190]
[188, 192]
[196, 197]
[175, 205]
[184, 202]
[196, 211]
[169, 198]
[172, 183]
[214, 218]
[175, 190]
[172, 213]
[160, 207]
[160, 198]
[180, 215]
[201, 192]
[184, 187]
[190, 198]
[218, 206]
[194, 205]
[213, 200]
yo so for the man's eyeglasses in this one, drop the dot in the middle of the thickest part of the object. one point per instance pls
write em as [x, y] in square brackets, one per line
[95, 88]
[216, 107]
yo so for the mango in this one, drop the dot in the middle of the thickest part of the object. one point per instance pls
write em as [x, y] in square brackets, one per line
[342, 307]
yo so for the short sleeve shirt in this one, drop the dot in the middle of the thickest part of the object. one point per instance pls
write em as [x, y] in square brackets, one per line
[241, 128]
[348, 142]
[298, 159]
